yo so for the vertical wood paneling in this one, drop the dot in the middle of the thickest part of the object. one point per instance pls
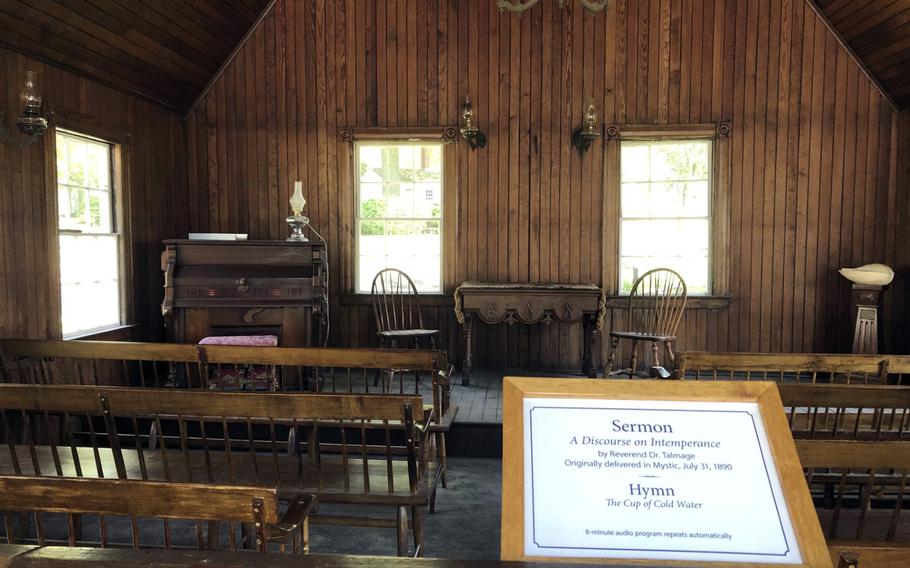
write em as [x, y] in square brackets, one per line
[159, 204]
[813, 151]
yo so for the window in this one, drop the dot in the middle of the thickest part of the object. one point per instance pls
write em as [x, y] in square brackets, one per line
[666, 211]
[89, 243]
[399, 212]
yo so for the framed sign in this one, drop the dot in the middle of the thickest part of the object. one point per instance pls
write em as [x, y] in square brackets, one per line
[668, 471]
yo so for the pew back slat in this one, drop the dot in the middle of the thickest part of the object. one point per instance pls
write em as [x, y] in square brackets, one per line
[861, 489]
[208, 509]
[794, 367]
[858, 412]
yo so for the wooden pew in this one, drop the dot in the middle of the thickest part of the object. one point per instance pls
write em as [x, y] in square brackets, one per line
[825, 396]
[346, 449]
[863, 555]
[322, 370]
[847, 412]
[794, 367]
[237, 507]
[861, 488]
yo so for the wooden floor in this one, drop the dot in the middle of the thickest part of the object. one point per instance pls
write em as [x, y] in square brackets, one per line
[481, 401]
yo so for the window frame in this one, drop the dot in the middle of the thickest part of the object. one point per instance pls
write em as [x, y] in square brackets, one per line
[718, 246]
[116, 134]
[362, 141]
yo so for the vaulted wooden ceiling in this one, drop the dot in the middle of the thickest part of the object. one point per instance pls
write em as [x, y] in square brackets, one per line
[163, 50]
[878, 31]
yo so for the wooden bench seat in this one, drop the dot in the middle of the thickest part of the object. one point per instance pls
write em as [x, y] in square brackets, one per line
[348, 449]
[253, 509]
[332, 480]
[861, 488]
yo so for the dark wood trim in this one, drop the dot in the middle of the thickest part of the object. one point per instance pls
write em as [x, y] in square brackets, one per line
[117, 133]
[663, 131]
[434, 300]
[230, 58]
[54, 323]
[692, 302]
[435, 133]
[124, 332]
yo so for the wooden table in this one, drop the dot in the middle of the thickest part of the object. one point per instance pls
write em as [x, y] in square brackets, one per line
[530, 304]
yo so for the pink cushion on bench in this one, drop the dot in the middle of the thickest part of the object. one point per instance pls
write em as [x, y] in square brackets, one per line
[247, 340]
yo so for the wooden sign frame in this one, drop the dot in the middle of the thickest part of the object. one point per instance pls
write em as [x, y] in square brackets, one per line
[806, 527]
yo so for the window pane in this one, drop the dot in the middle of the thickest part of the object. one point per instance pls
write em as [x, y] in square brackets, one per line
[85, 259]
[693, 269]
[62, 160]
[636, 199]
[372, 200]
[677, 199]
[98, 165]
[90, 306]
[78, 208]
[75, 153]
[429, 166]
[370, 165]
[99, 207]
[399, 162]
[89, 276]
[664, 237]
[428, 200]
[679, 160]
[372, 238]
[400, 197]
[696, 199]
[635, 162]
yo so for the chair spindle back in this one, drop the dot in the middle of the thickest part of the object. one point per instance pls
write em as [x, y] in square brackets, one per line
[396, 303]
[657, 302]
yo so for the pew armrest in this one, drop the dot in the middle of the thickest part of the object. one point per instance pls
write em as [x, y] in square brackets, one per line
[300, 508]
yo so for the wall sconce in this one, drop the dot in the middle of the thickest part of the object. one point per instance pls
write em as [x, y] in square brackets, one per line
[31, 123]
[588, 133]
[475, 138]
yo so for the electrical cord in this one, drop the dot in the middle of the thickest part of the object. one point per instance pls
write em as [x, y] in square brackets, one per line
[328, 319]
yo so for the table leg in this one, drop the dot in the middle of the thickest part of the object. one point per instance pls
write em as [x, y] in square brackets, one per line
[590, 342]
[467, 328]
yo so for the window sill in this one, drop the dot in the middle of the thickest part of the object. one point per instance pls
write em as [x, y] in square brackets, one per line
[692, 302]
[437, 299]
[122, 332]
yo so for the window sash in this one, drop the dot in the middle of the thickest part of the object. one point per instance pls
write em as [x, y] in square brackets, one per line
[110, 313]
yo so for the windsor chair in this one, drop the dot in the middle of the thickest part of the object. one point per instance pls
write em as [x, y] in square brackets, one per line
[396, 305]
[656, 306]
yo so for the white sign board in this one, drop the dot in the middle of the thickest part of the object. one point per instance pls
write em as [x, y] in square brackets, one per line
[676, 480]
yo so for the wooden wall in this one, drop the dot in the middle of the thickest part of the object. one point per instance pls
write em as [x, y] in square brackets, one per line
[29, 299]
[898, 303]
[813, 149]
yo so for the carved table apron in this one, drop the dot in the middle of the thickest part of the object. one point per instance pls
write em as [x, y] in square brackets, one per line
[530, 304]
